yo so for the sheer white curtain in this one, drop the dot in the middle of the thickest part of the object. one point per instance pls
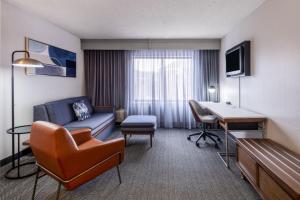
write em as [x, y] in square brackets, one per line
[160, 82]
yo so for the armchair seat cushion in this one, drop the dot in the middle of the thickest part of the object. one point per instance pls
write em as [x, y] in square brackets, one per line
[93, 122]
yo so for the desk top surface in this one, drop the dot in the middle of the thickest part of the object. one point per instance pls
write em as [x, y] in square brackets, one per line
[232, 113]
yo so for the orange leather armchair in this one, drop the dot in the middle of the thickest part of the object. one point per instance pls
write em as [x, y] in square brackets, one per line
[72, 158]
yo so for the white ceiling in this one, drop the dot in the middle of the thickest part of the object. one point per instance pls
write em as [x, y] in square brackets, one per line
[142, 19]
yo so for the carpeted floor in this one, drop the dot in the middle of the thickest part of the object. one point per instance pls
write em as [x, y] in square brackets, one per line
[174, 169]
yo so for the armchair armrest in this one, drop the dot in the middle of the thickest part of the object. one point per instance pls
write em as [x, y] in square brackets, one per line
[116, 145]
[104, 109]
[89, 157]
[106, 149]
[81, 135]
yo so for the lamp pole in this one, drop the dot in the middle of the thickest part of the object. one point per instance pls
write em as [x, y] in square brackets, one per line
[18, 130]
[13, 108]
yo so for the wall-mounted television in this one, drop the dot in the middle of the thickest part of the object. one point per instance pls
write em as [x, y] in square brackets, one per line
[238, 60]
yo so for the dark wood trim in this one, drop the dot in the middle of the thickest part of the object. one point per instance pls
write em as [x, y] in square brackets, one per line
[104, 106]
[138, 132]
[150, 133]
[7, 160]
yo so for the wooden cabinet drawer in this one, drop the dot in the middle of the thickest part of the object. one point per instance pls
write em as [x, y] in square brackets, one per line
[270, 189]
[247, 164]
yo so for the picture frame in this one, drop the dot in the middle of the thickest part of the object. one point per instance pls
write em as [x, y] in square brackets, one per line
[56, 61]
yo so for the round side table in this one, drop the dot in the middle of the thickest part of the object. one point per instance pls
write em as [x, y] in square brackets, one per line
[19, 130]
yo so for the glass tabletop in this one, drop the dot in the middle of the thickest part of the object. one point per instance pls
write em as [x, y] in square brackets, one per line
[25, 129]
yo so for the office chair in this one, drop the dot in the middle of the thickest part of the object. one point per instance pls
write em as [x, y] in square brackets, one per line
[202, 117]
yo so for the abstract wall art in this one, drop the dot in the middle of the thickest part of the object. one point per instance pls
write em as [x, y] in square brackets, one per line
[56, 61]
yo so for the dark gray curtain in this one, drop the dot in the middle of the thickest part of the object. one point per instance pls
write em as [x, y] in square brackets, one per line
[105, 77]
[209, 70]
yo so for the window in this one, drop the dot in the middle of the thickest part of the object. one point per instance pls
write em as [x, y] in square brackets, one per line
[162, 78]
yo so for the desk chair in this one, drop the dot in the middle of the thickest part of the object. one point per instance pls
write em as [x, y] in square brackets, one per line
[202, 117]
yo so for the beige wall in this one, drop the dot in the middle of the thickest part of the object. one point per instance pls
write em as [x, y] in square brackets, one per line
[31, 90]
[274, 87]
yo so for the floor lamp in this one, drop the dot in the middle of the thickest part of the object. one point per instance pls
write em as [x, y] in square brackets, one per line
[25, 62]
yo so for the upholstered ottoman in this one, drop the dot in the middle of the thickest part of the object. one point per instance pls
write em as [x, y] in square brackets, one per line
[139, 125]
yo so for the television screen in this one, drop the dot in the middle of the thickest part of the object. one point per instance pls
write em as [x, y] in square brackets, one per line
[233, 61]
[238, 60]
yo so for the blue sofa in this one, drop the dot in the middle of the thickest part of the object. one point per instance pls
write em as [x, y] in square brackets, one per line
[61, 112]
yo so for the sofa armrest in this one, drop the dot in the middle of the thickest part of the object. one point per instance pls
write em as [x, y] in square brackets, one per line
[40, 113]
[81, 135]
[104, 109]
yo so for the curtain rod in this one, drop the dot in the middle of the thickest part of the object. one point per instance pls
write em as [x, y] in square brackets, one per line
[136, 44]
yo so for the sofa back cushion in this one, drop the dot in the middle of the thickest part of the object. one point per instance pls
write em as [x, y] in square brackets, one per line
[61, 112]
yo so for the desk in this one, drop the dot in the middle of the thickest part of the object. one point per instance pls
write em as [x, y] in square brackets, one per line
[230, 114]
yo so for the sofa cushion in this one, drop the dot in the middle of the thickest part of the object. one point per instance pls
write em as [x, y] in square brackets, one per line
[61, 111]
[93, 122]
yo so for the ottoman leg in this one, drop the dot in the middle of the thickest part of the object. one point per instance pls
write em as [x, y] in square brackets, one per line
[125, 138]
[151, 135]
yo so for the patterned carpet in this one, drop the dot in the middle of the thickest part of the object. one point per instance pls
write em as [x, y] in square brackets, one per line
[173, 169]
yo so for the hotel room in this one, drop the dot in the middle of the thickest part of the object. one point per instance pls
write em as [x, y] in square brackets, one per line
[162, 99]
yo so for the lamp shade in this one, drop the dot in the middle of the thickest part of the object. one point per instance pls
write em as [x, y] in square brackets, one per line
[212, 89]
[27, 62]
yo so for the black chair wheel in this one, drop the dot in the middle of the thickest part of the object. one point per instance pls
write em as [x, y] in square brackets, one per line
[188, 138]
[197, 144]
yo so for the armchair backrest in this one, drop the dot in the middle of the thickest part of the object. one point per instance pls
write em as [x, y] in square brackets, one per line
[197, 110]
[51, 144]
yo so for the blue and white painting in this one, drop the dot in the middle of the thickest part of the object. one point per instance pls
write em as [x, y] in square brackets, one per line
[56, 61]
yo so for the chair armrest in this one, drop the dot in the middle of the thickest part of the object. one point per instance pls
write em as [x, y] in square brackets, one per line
[104, 109]
[117, 145]
[86, 158]
[105, 149]
[81, 135]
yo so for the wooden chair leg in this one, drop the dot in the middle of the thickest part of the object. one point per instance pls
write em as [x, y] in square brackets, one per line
[125, 139]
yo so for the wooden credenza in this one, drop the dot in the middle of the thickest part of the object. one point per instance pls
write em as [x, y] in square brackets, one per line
[273, 170]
